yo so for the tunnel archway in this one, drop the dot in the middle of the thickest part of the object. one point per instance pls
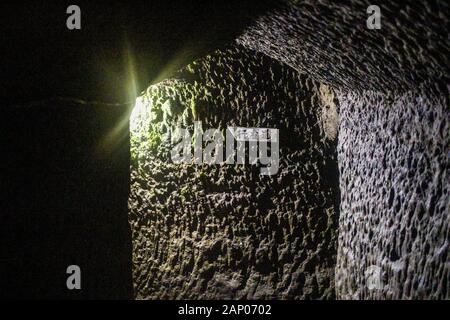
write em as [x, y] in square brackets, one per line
[362, 104]
[368, 104]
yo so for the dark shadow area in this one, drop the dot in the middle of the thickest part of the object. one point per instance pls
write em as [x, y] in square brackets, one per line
[45, 59]
[64, 201]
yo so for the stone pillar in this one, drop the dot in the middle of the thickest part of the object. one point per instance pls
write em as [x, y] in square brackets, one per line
[394, 221]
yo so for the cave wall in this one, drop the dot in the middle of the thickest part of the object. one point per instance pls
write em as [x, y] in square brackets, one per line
[394, 212]
[394, 224]
[225, 231]
[392, 88]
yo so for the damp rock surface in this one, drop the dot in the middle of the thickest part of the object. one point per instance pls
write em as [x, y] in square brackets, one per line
[225, 231]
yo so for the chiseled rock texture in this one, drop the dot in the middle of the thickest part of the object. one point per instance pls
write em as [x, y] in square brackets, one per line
[392, 88]
[225, 231]
[329, 41]
[394, 181]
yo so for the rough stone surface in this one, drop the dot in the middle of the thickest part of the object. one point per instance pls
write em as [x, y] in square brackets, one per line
[330, 41]
[225, 231]
[394, 224]
[393, 139]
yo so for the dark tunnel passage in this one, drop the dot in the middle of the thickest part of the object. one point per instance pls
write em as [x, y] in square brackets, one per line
[358, 207]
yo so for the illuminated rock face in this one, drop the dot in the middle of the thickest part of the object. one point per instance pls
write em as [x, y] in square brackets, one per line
[394, 224]
[225, 231]
[382, 93]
